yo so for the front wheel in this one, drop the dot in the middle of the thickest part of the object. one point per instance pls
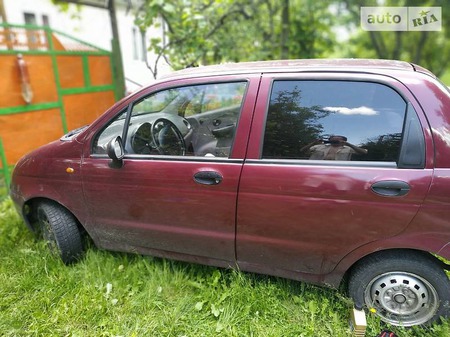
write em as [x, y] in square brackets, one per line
[59, 228]
[404, 288]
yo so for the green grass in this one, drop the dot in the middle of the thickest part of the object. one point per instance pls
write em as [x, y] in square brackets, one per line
[114, 294]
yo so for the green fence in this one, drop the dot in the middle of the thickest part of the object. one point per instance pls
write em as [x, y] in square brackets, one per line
[5, 177]
[37, 42]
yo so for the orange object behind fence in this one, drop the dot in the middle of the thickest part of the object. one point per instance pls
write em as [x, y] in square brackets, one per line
[48, 86]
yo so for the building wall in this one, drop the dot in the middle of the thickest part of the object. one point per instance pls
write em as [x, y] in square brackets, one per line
[93, 25]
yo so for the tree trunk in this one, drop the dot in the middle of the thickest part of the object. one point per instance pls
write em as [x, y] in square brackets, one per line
[5, 21]
[285, 30]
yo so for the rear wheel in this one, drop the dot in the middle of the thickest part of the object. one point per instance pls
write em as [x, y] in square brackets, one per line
[59, 228]
[404, 288]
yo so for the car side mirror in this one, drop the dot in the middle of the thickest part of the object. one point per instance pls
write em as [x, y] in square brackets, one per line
[115, 151]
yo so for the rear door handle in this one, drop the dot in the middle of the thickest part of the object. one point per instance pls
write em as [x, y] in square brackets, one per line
[391, 188]
[208, 178]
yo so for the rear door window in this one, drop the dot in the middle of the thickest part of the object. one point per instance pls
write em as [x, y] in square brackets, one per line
[307, 119]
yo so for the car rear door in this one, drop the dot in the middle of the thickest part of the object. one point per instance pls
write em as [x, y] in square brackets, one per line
[298, 214]
[179, 205]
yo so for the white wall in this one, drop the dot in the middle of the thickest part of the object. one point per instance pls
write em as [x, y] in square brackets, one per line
[135, 68]
[92, 25]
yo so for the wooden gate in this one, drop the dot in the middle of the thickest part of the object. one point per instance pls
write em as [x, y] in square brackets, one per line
[50, 83]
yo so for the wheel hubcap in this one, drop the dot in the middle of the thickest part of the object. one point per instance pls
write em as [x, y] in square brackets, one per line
[402, 298]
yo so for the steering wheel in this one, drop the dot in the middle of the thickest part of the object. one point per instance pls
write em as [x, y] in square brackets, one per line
[142, 142]
[167, 139]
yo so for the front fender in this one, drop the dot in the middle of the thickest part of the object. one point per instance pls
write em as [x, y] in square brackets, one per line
[52, 172]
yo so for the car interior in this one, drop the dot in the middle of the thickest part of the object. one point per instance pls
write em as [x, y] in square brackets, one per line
[191, 121]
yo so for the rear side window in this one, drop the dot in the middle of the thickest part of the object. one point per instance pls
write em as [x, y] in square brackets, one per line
[334, 120]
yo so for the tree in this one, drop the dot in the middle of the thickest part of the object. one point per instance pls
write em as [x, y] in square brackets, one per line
[290, 126]
[214, 31]
[429, 49]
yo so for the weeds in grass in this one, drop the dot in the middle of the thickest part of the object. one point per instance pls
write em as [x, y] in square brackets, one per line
[114, 294]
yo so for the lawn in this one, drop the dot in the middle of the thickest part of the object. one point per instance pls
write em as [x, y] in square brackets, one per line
[115, 294]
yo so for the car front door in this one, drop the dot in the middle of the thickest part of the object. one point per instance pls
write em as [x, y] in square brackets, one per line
[175, 193]
[343, 162]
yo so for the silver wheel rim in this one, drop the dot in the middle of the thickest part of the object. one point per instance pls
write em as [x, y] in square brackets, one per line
[402, 299]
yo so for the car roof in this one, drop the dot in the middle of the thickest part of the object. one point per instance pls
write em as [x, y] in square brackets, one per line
[293, 65]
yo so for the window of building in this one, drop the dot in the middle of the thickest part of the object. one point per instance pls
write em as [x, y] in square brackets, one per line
[45, 20]
[135, 44]
[30, 18]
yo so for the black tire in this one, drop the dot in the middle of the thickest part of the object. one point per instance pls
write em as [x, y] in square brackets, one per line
[405, 288]
[59, 228]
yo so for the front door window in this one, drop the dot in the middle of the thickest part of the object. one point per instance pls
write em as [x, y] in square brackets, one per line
[195, 121]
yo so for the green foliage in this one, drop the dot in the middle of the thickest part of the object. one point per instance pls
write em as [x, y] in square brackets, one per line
[207, 31]
[214, 31]
[428, 49]
[63, 6]
[74, 10]
[446, 78]
[113, 294]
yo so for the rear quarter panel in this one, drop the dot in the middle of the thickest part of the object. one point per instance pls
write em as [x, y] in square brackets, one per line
[433, 220]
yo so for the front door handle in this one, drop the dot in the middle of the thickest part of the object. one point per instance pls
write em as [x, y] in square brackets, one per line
[391, 188]
[208, 178]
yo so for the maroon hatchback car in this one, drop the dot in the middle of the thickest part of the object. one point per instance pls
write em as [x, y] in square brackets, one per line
[327, 171]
